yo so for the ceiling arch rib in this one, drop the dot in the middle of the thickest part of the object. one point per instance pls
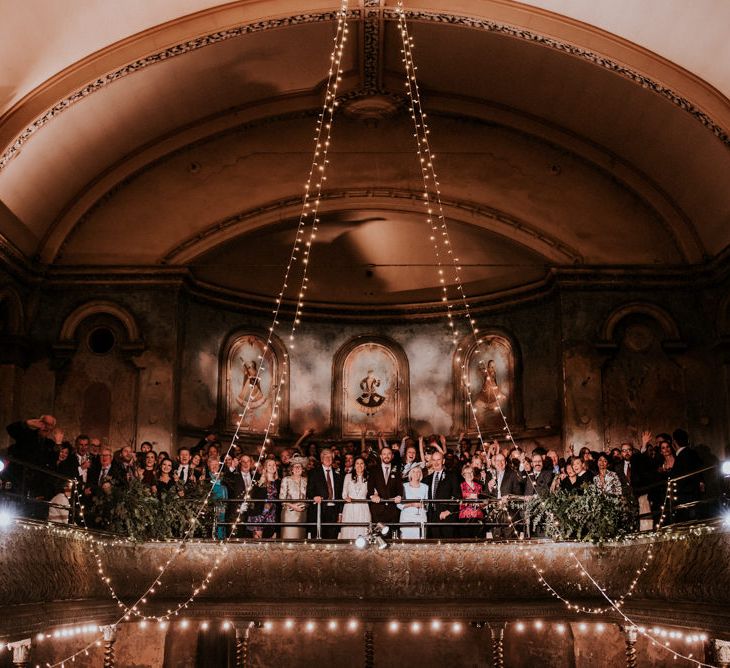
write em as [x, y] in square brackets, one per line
[95, 195]
[551, 249]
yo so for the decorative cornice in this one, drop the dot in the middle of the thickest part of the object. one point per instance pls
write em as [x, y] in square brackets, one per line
[158, 57]
[558, 278]
[565, 47]
[388, 14]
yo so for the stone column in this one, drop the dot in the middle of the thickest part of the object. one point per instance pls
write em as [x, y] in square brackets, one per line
[497, 645]
[243, 643]
[631, 633]
[110, 637]
[369, 647]
[721, 652]
[21, 652]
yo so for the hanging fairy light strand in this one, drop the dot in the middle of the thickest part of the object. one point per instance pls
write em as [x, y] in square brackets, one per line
[310, 212]
[439, 231]
[648, 557]
[664, 645]
[301, 248]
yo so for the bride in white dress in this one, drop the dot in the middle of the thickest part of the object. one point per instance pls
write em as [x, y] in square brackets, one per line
[412, 506]
[355, 487]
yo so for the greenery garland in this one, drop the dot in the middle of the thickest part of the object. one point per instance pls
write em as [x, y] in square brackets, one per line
[136, 512]
[592, 516]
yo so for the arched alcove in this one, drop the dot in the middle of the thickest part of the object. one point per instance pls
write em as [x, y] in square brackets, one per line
[12, 315]
[487, 370]
[642, 385]
[370, 387]
[253, 382]
[97, 382]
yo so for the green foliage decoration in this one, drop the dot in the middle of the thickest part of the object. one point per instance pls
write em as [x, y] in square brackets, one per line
[136, 512]
[592, 516]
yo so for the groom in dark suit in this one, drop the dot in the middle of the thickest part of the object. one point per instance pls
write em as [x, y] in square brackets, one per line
[323, 485]
[385, 487]
[442, 484]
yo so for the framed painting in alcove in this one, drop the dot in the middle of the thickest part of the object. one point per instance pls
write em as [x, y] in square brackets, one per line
[490, 382]
[250, 376]
[370, 388]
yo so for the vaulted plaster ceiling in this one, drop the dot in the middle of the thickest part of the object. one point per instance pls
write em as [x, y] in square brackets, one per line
[170, 134]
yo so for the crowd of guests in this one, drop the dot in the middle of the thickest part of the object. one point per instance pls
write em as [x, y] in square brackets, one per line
[420, 487]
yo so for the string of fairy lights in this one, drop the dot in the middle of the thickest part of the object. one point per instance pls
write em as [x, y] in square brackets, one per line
[301, 250]
[439, 231]
[446, 262]
[439, 235]
[310, 209]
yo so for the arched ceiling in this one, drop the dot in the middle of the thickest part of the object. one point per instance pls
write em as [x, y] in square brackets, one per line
[179, 134]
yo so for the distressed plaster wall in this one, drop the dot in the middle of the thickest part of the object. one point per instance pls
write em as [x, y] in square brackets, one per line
[560, 369]
[584, 361]
[427, 346]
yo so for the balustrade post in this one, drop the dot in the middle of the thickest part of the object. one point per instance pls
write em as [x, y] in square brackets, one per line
[497, 645]
[721, 652]
[243, 645]
[21, 652]
[110, 637]
[369, 647]
[631, 634]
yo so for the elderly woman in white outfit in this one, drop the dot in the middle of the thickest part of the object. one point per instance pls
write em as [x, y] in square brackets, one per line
[413, 506]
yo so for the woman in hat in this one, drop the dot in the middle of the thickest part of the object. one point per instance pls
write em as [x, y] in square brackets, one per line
[294, 488]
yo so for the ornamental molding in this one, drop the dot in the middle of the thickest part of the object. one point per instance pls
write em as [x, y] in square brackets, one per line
[372, 45]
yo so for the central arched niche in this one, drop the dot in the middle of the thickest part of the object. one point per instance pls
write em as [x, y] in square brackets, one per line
[370, 388]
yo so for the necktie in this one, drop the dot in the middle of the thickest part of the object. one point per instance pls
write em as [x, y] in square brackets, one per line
[104, 471]
[436, 480]
[386, 473]
[330, 488]
[184, 475]
[628, 472]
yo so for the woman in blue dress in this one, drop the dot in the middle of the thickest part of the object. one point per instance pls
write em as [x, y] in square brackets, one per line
[218, 496]
[413, 506]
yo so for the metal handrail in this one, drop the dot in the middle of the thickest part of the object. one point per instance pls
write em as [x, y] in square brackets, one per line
[489, 504]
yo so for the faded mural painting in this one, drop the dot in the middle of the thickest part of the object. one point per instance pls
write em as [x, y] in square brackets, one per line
[251, 378]
[490, 370]
[370, 386]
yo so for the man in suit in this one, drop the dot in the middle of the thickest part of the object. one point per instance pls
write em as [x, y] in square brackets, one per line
[539, 480]
[635, 474]
[104, 467]
[385, 487]
[690, 488]
[324, 484]
[239, 484]
[503, 482]
[442, 484]
[182, 469]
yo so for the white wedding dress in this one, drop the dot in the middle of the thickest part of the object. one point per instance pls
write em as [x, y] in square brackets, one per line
[354, 512]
